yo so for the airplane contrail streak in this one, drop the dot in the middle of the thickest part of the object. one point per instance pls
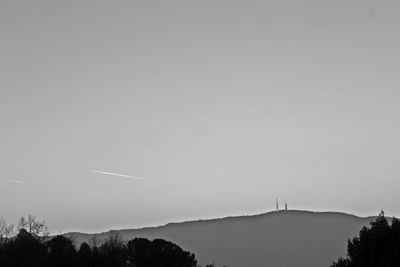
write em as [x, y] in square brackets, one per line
[15, 181]
[117, 174]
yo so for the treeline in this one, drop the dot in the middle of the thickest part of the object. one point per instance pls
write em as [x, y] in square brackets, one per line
[376, 246]
[30, 246]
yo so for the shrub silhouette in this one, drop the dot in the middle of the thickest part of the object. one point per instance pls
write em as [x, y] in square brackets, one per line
[376, 246]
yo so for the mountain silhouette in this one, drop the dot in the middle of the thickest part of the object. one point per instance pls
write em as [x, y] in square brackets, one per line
[286, 238]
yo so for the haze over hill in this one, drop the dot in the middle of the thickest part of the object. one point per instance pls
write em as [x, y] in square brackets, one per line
[275, 239]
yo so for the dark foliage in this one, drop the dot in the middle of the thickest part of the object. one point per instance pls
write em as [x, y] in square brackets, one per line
[28, 250]
[61, 252]
[158, 253]
[376, 246]
[24, 250]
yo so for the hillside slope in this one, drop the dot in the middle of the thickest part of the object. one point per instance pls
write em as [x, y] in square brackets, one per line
[275, 239]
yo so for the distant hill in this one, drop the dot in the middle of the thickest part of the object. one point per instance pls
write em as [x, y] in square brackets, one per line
[289, 238]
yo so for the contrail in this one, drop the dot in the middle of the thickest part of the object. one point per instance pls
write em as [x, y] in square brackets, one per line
[117, 174]
[15, 181]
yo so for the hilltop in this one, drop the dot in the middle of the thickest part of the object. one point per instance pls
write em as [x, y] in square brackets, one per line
[276, 239]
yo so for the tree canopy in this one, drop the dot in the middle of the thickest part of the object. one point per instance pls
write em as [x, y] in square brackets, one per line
[31, 246]
[376, 246]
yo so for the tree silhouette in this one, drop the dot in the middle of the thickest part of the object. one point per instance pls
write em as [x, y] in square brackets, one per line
[6, 232]
[31, 247]
[158, 253]
[376, 246]
[34, 226]
[113, 251]
[24, 250]
[61, 252]
[168, 254]
[84, 255]
[138, 252]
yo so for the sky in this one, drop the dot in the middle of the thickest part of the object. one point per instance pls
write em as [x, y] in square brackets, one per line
[205, 109]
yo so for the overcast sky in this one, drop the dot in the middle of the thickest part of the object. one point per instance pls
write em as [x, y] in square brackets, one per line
[215, 108]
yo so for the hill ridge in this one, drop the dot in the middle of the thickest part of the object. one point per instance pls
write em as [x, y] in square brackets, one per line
[224, 218]
[312, 238]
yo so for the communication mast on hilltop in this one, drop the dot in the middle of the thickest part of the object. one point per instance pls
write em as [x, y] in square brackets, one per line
[277, 204]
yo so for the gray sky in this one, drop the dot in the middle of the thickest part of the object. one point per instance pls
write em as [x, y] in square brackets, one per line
[220, 106]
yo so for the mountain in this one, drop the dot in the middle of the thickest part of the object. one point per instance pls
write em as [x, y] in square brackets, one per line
[283, 238]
